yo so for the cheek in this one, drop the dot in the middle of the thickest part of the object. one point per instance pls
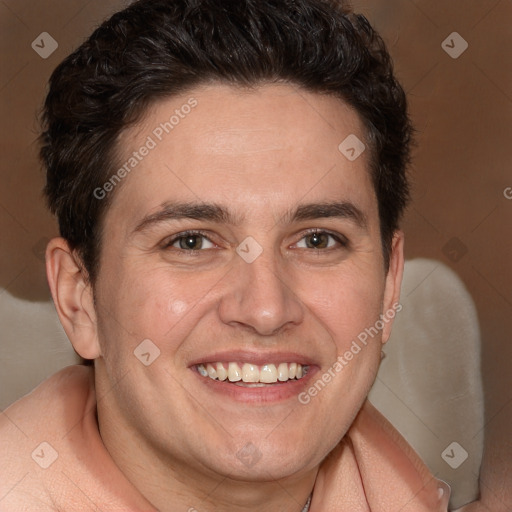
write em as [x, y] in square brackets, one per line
[140, 304]
[346, 302]
[347, 305]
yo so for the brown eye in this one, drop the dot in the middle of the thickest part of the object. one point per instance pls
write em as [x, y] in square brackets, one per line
[191, 242]
[317, 241]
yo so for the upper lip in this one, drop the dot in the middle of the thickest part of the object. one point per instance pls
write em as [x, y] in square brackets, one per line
[257, 358]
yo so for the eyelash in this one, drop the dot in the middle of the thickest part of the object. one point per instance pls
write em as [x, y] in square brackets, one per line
[340, 239]
[168, 244]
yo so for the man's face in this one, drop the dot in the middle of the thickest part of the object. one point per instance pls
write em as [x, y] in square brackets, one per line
[243, 242]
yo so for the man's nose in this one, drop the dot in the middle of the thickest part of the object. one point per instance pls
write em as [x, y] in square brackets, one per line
[260, 297]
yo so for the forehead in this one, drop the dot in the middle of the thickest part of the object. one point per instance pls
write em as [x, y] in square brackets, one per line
[244, 148]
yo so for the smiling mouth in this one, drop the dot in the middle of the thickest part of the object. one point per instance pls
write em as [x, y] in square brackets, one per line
[252, 375]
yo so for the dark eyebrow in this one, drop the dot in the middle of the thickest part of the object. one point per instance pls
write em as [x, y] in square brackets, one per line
[175, 211]
[343, 209]
[219, 214]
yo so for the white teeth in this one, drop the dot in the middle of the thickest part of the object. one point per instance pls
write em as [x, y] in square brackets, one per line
[212, 372]
[268, 373]
[251, 374]
[234, 372]
[282, 372]
[222, 373]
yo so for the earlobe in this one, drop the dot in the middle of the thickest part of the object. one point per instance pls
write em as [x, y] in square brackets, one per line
[393, 283]
[73, 297]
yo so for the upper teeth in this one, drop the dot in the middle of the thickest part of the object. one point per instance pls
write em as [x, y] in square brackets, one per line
[268, 373]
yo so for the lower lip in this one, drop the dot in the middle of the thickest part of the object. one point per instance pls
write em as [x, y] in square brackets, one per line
[278, 392]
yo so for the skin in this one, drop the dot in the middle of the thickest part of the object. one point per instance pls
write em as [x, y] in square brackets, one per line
[259, 154]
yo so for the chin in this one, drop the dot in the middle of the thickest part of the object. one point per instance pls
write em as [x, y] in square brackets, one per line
[262, 460]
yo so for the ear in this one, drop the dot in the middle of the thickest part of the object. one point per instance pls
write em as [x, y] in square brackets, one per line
[73, 297]
[391, 302]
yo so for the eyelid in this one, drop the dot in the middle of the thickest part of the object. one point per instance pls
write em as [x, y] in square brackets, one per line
[341, 239]
[168, 242]
[172, 239]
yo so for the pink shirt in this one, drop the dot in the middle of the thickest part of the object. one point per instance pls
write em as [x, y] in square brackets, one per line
[53, 459]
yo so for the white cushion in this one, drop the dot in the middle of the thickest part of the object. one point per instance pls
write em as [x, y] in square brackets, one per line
[33, 346]
[429, 384]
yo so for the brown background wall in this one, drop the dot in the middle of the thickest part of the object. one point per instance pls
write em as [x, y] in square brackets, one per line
[462, 109]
